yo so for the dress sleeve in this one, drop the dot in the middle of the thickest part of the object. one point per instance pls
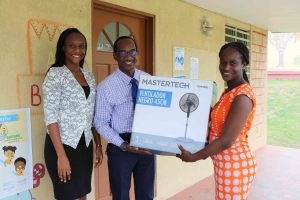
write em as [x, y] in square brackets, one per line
[246, 90]
[51, 96]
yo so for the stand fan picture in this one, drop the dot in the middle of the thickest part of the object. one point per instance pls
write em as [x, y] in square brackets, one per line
[188, 103]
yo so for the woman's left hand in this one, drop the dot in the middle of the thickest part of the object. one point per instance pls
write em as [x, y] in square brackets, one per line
[99, 156]
[185, 155]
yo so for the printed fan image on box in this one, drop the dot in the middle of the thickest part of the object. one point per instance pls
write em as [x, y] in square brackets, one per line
[172, 111]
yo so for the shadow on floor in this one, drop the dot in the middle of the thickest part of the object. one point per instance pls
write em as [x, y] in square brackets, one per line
[278, 177]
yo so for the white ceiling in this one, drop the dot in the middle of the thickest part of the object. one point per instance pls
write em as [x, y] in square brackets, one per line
[272, 15]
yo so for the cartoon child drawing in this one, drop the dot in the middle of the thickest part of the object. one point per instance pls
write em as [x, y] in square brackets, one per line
[9, 152]
[20, 164]
[3, 131]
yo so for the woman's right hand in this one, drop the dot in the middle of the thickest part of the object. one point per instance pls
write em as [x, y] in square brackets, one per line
[185, 155]
[63, 168]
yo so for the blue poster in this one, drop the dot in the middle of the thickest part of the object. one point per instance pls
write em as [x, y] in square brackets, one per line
[16, 152]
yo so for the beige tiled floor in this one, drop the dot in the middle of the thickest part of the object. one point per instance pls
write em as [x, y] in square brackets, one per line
[278, 177]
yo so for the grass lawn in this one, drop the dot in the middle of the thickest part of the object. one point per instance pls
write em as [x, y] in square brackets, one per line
[284, 113]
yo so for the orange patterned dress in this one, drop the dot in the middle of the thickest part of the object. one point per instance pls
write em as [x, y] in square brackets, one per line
[235, 167]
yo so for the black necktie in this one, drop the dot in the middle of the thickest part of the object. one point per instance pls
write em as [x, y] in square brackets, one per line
[134, 88]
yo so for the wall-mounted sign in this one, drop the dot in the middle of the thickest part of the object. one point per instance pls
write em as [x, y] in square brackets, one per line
[178, 58]
[194, 68]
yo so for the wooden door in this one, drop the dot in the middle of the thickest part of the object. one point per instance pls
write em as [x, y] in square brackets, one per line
[108, 23]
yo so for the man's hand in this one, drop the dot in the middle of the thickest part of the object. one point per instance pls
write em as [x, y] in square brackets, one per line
[137, 150]
[98, 156]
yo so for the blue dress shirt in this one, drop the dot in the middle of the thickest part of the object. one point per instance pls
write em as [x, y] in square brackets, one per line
[114, 106]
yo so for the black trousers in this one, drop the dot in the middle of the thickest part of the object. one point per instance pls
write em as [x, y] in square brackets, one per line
[122, 165]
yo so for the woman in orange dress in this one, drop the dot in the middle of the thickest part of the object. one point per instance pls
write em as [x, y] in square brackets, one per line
[231, 118]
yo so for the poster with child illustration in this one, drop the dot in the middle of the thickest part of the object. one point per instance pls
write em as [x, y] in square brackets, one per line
[15, 152]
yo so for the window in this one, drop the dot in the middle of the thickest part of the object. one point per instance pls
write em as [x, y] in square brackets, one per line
[109, 34]
[234, 34]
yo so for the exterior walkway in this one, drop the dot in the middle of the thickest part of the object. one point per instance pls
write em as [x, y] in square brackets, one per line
[278, 177]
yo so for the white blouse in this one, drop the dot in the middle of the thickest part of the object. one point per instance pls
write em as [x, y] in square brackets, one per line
[65, 103]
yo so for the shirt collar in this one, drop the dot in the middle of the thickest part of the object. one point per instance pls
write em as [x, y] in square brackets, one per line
[124, 77]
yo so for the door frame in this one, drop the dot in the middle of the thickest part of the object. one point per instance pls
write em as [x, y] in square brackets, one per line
[150, 29]
[149, 48]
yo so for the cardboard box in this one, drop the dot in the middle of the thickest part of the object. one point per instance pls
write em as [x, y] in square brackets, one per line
[172, 111]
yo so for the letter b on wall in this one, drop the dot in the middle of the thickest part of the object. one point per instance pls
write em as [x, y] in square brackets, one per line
[36, 98]
[30, 92]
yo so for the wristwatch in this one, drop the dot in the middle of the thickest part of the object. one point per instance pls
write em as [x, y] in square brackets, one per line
[123, 146]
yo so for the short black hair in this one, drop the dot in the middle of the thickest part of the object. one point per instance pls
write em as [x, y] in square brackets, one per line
[21, 159]
[60, 58]
[243, 50]
[123, 38]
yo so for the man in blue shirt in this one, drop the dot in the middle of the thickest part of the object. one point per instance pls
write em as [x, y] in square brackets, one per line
[115, 104]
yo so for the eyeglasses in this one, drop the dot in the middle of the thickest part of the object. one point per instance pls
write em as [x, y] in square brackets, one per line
[73, 46]
[123, 53]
